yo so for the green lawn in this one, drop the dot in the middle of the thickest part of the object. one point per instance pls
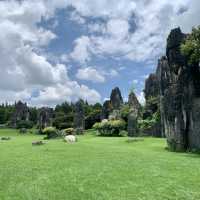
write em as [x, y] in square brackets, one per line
[95, 168]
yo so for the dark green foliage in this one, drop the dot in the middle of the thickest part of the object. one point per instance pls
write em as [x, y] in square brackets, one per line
[110, 128]
[191, 46]
[24, 124]
[92, 118]
[5, 113]
[150, 123]
[125, 112]
[33, 115]
[63, 120]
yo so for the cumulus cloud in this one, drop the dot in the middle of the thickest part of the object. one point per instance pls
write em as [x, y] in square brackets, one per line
[81, 51]
[94, 75]
[23, 69]
[90, 74]
[129, 29]
[152, 21]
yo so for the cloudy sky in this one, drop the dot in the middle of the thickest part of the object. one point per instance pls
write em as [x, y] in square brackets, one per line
[57, 50]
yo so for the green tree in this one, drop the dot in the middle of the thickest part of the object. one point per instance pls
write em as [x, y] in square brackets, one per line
[191, 46]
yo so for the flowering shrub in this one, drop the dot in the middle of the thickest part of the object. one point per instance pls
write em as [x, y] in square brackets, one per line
[110, 128]
[50, 132]
[68, 131]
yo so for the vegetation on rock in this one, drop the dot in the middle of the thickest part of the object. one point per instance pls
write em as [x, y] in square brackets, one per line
[191, 46]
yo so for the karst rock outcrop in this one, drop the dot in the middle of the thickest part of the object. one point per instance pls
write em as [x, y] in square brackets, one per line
[79, 118]
[111, 108]
[45, 116]
[152, 106]
[179, 85]
[116, 99]
[134, 112]
[21, 113]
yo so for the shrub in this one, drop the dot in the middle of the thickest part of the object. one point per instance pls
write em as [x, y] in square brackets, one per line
[110, 128]
[50, 132]
[24, 124]
[123, 133]
[67, 131]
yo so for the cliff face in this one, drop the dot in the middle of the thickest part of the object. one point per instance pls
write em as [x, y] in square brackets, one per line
[152, 107]
[179, 85]
[116, 98]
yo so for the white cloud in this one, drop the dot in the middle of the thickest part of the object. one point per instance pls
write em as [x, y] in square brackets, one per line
[153, 21]
[23, 69]
[133, 30]
[90, 74]
[141, 98]
[81, 51]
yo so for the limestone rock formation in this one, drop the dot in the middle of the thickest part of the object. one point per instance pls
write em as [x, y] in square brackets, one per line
[79, 117]
[45, 117]
[21, 113]
[151, 86]
[111, 108]
[116, 99]
[152, 106]
[133, 123]
[133, 102]
[133, 115]
[180, 96]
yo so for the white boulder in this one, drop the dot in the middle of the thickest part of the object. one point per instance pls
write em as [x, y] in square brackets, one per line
[70, 138]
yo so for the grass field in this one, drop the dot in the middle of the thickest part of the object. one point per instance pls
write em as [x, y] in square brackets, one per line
[95, 168]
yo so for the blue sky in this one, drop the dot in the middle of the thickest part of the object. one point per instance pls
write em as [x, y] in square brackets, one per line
[63, 50]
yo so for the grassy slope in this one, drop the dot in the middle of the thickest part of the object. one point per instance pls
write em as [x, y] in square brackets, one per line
[95, 168]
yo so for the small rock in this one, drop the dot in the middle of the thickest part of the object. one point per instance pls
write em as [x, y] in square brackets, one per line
[37, 143]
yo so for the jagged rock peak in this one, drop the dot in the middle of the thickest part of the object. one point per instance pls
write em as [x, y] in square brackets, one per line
[151, 86]
[133, 101]
[173, 53]
[116, 98]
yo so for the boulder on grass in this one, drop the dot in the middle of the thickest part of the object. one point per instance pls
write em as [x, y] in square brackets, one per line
[37, 143]
[70, 139]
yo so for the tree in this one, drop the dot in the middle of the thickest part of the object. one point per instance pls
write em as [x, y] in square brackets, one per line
[191, 46]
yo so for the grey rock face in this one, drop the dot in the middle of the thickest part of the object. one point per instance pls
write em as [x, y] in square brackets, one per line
[151, 86]
[21, 113]
[179, 97]
[152, 106]
[45, 117]
[116, 99]
[79, 118]
[132, 123]
[133, 102]
[134, 113]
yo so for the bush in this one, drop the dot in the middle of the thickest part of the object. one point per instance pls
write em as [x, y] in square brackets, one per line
[24, 124]
[68, 131]
[50, 132]
[110, 128]
[123, 133]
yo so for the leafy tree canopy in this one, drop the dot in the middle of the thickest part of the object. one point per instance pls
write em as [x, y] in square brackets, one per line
[191, 47]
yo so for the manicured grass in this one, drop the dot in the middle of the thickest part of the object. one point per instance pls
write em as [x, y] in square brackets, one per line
[95, 168]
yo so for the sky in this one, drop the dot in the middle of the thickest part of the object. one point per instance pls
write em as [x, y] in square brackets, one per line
[53, 51]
